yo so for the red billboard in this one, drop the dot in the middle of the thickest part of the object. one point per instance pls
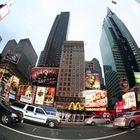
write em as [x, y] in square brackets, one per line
[44, 76]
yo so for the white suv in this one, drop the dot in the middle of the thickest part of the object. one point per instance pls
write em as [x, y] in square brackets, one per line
[36, 114]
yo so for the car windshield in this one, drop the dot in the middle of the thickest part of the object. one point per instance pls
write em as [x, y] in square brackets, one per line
[127, 114]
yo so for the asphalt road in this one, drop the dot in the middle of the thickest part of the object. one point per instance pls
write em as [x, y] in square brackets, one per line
[29, 131]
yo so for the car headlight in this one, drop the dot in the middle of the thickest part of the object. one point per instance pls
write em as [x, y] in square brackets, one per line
[14, 115]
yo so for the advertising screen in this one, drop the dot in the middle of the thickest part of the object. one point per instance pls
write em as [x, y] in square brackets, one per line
[129, 100]
[14, 83]
[26, 93]
[137, 77]
[124, 84]
[12, 56]
[1, 74]
[92, 81]
[95, 98]
[49, 96]
[44, 76]
[7, 75]
[40, 94]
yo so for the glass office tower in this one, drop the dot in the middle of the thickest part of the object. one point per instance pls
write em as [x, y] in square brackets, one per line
[120, 55]
[50, 56]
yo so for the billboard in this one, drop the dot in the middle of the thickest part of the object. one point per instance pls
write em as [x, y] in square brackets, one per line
[26, 93]
[6, 78]
[137, 77]
[12, 56]
[124, 84]
[40, 94]
[4, 89]
[129, 100]
[1, 74]
[44, 76]
[49, 96]
[92, 81]
[14, 83]
[95, 98]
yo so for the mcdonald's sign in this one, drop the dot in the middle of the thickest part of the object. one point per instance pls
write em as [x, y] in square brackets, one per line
[75, 106]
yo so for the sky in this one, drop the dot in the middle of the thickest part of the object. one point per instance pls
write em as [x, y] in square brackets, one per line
[33, 19]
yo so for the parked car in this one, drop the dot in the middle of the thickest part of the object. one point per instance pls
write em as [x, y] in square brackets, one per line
[96, 120]
[37, 114]
[129, 120]
[9, 115]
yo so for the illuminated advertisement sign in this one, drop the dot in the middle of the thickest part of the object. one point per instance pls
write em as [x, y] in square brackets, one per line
[44, 76]
[92, 81]
[124, 84]
[129, 100]
[12, 56]
[7, 75]
[119, 106]
[137, 77]
[4, 89]
[26, 93]
[75, 106]
[95, 98]
[14, 82]
[1, 74]
[49, 95]
[40, 94]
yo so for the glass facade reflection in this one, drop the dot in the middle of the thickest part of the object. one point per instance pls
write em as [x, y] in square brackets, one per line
[120, 55]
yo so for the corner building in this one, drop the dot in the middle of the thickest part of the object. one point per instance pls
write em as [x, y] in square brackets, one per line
[120, 55]
[71, 79]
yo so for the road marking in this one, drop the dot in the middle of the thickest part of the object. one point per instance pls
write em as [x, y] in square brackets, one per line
[34, 129]
[46, 138]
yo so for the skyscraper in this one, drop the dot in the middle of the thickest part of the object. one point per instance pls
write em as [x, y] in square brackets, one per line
[138, 1]
[71, 80]
[51, 54]
[120, 55]
[25, 55]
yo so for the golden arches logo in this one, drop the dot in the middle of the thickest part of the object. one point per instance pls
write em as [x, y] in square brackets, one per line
[74, 106]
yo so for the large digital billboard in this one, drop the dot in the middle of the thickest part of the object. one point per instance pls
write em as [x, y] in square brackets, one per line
[12, 56]
[44, 76]
[92, 81]
[95, 98]
[129, 100]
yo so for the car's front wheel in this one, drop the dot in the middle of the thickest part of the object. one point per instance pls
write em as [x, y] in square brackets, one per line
[132, 124]
[5, 119]
[51, 124]
[93, 123]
